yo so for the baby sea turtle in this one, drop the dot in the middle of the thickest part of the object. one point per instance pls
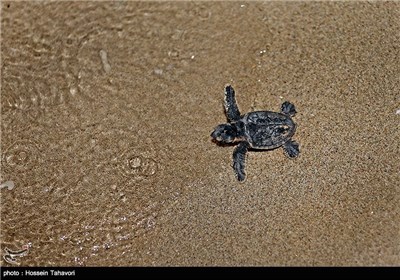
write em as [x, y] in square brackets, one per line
[258, 130]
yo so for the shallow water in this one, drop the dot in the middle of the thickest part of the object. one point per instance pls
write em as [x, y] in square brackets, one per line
[107, 108]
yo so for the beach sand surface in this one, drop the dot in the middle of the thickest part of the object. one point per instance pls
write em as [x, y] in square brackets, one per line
[106, 115]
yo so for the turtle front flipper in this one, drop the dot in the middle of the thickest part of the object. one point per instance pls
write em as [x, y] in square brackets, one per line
[288, 108]
[231, 108]
[291, 149]
[239, 160]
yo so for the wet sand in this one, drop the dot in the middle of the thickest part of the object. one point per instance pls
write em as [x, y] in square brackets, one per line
[107, 110]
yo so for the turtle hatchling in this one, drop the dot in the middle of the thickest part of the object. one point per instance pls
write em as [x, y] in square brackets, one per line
[260, 130]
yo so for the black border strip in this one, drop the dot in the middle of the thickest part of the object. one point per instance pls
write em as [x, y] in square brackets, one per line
[133, 272]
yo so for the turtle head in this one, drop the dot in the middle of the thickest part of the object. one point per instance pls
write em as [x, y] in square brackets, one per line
[225, 133]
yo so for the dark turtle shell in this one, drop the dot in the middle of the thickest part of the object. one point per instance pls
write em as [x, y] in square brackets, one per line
[268, 130]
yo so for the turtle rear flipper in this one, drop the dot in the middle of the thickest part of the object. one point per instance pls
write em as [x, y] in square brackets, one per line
[288, 108]
[291, 149]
